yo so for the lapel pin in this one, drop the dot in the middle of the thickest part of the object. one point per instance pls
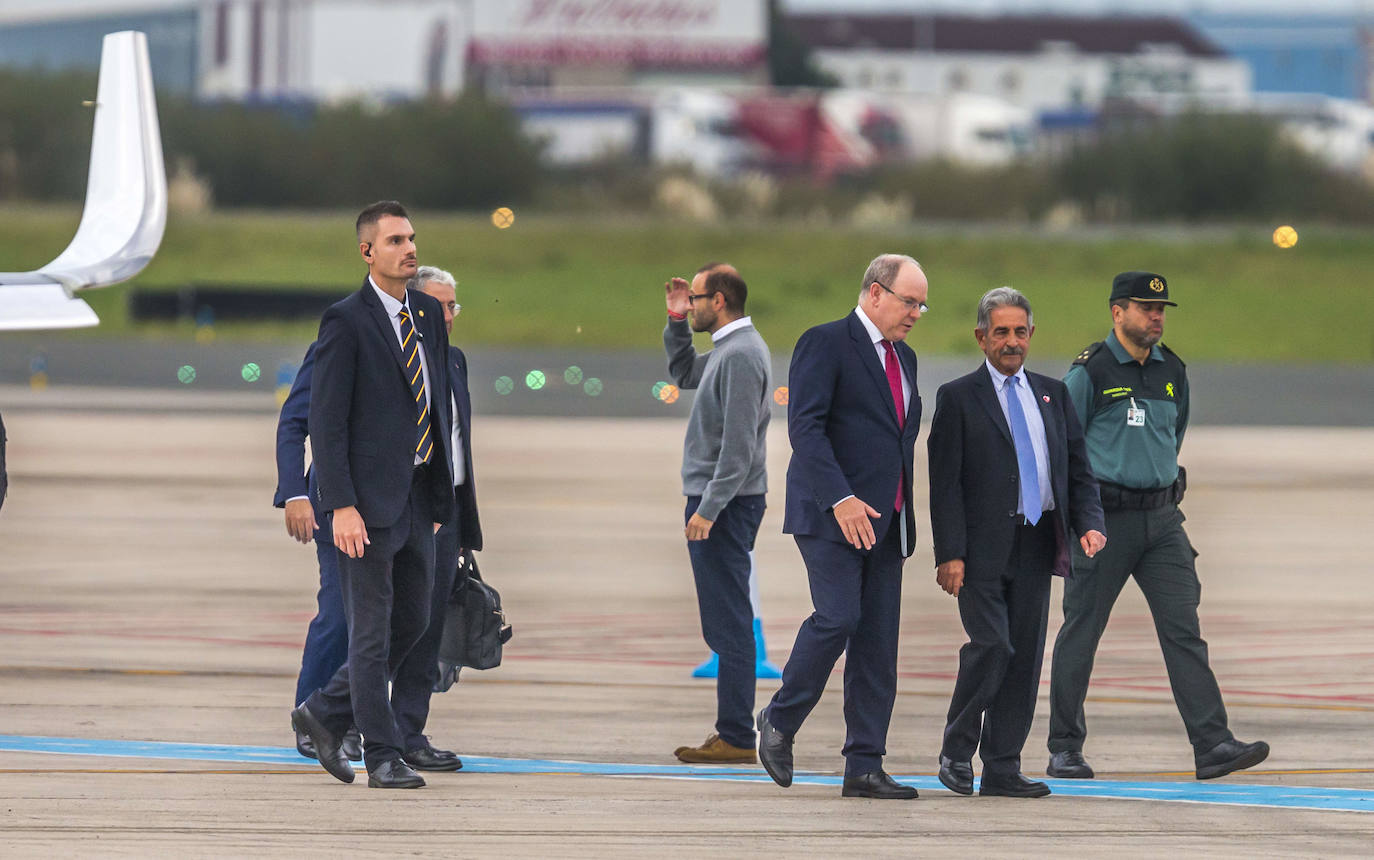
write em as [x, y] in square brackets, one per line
[1045, 397]
[422, 313]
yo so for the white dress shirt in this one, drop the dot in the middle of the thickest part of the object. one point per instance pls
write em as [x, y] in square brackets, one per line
[877, 338]
[1035, 423]
[393, 310]
[460, 472]
[734, 325]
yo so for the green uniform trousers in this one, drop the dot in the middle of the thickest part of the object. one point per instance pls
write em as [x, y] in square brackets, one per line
[1152, 546]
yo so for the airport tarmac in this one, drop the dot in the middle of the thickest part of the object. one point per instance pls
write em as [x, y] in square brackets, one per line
[152, 610]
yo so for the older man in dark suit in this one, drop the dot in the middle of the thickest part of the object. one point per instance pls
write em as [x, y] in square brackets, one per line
[852, 418]
[1009, 480]
[379, 425]
[419, 672]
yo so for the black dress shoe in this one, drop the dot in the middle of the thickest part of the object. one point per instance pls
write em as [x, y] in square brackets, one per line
[394, 773]
[1069, 764]
[428, 758]
[352, 745]
[326, 744]
[304, 745]
[1015, 785]
[775, 751]
[1229, 756]
[957, 776]
[878, 785]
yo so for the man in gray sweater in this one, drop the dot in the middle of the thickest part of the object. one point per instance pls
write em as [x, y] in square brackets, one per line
[724, 479]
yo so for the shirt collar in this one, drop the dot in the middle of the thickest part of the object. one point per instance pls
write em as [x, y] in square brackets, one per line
[873, 334]
[1000, 380]
[1122, 356]
[732, 326]
[389, 301]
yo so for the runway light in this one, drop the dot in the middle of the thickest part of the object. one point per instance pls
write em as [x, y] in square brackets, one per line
[502, 218]
[186, 374]
[251, 372]
[1285, 237]
[573, 375]
[534, 380]
[780, 395]
[504, 385]
[593, 387]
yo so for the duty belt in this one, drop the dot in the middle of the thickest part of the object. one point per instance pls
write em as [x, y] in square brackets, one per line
[1118, 498]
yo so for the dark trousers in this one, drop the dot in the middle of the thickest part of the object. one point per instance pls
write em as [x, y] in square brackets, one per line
[386, 595]
[720, 565]
[326, 640]
[1005, 614]
[419, 671]
[857, 597]
[1153, 547]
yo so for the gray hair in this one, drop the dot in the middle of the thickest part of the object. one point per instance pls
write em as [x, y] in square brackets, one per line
[1001, 297]
[425, 274]
[884, 269]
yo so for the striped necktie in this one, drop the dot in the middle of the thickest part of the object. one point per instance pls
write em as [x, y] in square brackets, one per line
[410, 348]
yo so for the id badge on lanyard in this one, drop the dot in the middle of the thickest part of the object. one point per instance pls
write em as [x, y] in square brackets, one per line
[1135, 416]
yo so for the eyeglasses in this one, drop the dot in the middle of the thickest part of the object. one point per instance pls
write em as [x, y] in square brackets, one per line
[692, 298]
[911, 304]
[454, 308]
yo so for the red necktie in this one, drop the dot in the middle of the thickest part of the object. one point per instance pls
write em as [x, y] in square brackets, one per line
[894, 382]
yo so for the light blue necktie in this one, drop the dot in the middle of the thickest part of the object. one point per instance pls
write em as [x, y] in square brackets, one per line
[1025, 454]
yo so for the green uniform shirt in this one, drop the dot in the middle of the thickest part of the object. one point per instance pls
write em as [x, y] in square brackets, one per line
[1105, 383]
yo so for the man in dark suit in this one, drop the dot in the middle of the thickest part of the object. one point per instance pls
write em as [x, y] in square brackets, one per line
[1009, 480]
[461, 534]
[326, 639]
[852, 417]
[379, 429]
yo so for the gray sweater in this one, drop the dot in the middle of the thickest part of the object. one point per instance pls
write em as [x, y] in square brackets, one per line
[725, 450]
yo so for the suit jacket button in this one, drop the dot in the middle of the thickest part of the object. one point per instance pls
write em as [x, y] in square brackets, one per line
[1011, 513]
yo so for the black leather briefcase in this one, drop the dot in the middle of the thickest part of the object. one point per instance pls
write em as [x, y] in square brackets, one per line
[475, 626]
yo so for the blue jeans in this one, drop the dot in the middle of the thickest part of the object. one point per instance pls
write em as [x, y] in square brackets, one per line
[720, 565]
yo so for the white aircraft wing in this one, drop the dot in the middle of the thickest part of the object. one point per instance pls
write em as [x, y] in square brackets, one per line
[126, 200]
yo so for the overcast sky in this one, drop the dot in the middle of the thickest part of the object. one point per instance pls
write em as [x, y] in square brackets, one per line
[1176, 7]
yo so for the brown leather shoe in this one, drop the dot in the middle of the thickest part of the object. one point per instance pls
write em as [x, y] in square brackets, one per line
[716, 751]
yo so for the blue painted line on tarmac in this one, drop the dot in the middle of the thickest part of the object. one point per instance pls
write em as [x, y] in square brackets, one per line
[1231, 794]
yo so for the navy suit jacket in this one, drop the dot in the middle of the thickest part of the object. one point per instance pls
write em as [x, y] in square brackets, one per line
[469, 525]
[362, 413]
[293, 479]
[842, 423]
[974, 476]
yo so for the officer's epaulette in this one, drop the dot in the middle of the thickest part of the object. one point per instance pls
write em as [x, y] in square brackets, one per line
[1164, 348]
[1089, 352]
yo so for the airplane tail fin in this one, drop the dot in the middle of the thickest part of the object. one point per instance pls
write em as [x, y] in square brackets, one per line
[126, 200]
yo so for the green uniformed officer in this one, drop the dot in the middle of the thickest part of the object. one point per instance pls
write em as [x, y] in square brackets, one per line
[1131, 392]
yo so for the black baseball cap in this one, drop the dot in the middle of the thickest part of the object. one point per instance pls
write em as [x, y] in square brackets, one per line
[1141, 287]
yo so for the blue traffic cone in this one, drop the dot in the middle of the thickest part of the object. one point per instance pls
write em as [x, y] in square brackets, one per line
[710, 668]
[762, 667]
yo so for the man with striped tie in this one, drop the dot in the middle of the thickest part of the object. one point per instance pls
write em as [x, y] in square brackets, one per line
[379, 430]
